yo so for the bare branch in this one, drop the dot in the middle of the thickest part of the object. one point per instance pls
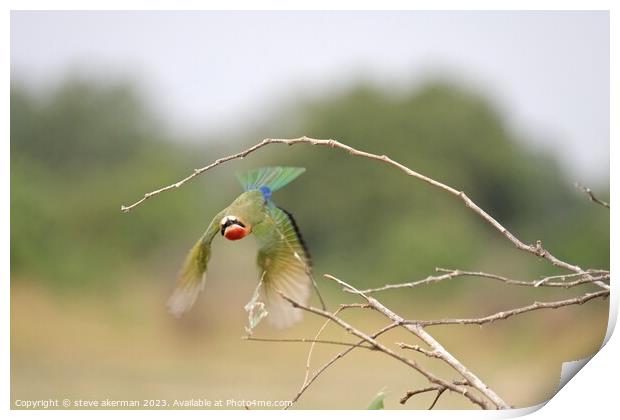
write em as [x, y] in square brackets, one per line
[309, 358]
[333, 360]
[582, 278]
[535, 249]
[593, 198]
[427, 280]
[380, 347]
[355, 305]
[306, 340]
[440, 390]
[410, 394]
[436, 347]
[507, 314]
[419, 349]
[595, 276]
[439, 393]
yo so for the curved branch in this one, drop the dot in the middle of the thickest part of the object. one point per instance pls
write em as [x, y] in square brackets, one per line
[535, 249]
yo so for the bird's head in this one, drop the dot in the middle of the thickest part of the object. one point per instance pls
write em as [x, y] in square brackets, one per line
[233, 229]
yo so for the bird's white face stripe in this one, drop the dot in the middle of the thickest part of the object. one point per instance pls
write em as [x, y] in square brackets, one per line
[230, 221]
[228, 218]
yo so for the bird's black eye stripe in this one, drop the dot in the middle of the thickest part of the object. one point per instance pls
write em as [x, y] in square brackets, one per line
[228, 223]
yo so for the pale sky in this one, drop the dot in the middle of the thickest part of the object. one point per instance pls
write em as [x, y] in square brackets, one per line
[212, 71]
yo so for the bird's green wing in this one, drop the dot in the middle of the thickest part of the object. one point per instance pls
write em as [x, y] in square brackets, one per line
[271, 177]
[192, 276]
[286, 268]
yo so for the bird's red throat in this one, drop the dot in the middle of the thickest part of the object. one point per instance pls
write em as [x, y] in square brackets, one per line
[235, 232]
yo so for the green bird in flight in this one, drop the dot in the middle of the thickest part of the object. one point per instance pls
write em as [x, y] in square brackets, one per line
[283, 258]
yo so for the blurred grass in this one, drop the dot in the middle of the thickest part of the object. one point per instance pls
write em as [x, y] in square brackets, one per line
[88, 283]
[129, 348]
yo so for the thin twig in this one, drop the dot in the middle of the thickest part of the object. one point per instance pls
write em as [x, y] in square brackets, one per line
[333, 360]
[593, 198]
[419, 350]
[506, 314]
[535, 249]
[583, 278]
[355, 305]
[440, 390]
[309, 358]
[315, 286]
[410, 394]
[427, 280]
[586, 278]
[305, 340]
[439, 393]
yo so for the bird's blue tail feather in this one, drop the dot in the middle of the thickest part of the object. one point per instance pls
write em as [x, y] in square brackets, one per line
[269, 179]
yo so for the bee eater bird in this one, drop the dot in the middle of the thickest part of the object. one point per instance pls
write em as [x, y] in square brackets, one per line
[283, 258]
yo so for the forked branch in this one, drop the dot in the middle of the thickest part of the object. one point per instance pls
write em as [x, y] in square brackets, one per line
[432, 378]
[438, 350]
[439, 389]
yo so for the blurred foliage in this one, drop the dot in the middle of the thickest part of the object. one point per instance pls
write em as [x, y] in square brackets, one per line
[76, 154]
[82, 149]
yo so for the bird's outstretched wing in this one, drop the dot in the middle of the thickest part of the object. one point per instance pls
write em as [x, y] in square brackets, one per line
[192, 276]
[286, 267]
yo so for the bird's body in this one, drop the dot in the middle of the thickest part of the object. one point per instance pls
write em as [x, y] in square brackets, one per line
[282, 257]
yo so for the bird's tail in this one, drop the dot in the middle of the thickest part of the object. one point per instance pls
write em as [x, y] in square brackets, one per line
[269, 179]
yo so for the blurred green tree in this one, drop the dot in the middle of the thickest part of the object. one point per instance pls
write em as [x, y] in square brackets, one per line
[371, 223]
[76, 153]
[79, 151]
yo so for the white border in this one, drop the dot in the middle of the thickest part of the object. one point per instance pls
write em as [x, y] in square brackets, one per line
[592, 393]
